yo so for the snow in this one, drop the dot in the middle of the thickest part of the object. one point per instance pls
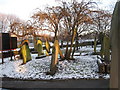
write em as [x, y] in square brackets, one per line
[84, 66]
[88, 50]
[106, 76]
[86, 40]
[99, 61]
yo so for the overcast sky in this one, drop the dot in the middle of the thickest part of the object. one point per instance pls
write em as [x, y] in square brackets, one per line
[24, 8]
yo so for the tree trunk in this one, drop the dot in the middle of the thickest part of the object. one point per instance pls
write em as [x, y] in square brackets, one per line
[95, 44]
[35, 43]
[77, 45]
[73, 51]
[47, 45]
[60, 52]
[61, 44]
[102, 46]
[56, 30]
[106, 49]
[72, 40]
[77, 42]
[115, 38]
[66, 52]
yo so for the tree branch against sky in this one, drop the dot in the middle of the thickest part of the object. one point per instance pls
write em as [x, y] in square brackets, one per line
[24, 8]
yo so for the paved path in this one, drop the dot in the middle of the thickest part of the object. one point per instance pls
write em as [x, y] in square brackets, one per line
[9, 83]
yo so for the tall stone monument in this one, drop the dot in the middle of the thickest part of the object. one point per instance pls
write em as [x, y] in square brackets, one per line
[115, 41]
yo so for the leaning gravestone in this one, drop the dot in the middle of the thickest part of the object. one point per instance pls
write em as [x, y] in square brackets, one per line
[115, 38]
[54, 60]
[25, 51]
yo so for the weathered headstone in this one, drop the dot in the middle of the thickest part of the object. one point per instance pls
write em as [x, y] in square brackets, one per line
[39, 47]
[25, 51]
[115, 38]
[54, 60]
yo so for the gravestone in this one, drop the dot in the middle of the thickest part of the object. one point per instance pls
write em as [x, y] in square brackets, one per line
[115, 38]
[25, 52]
[39, 47]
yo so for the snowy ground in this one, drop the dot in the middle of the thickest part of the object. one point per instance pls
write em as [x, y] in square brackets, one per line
[85, 66]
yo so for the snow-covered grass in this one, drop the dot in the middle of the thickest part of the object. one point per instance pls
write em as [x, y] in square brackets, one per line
[86, 40]
[82, 67]
[88, 50]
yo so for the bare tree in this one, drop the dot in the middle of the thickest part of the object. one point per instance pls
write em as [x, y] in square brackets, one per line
[50, 21]
[101, 25]
[6, 20]
[101, 20]
[75, 14]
